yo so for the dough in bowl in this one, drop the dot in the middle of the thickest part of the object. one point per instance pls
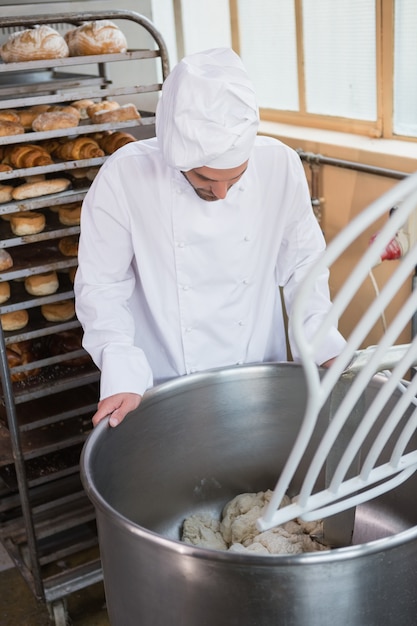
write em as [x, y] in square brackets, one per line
[237, 531]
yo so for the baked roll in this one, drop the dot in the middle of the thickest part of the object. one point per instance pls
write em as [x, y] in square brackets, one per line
[6, 260]
[42, 284]
[68, 246]
[4, 292]
[27, 223]
[58, 311]
[70, 216]
[96, 37]
[15, 320]
[40, 42]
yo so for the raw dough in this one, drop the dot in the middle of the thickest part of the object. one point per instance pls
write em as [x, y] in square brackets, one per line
[237, 531]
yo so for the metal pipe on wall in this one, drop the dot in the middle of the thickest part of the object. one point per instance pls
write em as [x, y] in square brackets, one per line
[315, 160]
[318, 159]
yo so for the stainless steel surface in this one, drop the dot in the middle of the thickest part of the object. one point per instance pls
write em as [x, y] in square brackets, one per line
[193, 444]
[338, 529]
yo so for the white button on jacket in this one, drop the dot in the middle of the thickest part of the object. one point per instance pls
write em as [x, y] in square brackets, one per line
[155, 263]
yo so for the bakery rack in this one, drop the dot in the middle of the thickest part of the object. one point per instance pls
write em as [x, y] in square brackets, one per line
[47, 524]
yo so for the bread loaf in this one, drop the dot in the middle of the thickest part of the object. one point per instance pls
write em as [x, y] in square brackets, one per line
[40, 42]
[58, 311]
[65, 108]
[4, 292]
[27, 115]
[96, 37]
[5, 168]
[78, 148]
[113, 141]
[52, 120]
[104, 105]
[6, 193]
[15, 320]
[27, 223]
[6, 261]
[82, 106]
[8, 128]
[42, 188]
[42, 284]
[123, 113]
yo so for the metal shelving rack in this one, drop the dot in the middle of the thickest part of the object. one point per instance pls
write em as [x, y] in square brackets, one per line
[45, 517]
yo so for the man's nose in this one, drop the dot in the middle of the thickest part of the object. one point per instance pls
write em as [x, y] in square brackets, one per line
[219, 189]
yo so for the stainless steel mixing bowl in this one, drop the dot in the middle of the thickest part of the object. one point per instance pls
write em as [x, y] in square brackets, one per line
[192, 445]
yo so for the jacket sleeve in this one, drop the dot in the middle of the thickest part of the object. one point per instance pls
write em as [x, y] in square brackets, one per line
[303, 245]
[104, 283]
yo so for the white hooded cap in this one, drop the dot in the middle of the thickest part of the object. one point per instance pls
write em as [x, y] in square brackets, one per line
[207, 114]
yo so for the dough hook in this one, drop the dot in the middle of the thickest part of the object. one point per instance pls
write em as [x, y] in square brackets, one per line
[349, 480]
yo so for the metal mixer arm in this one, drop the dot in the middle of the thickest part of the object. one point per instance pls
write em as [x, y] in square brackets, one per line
[347, 379]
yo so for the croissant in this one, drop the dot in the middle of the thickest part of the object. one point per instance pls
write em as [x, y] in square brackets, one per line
[51, 145]
[113, 141]
[29, 155]
[79, 148]
[21, 354]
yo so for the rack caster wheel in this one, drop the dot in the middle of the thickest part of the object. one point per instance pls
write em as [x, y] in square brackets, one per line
[59, 614]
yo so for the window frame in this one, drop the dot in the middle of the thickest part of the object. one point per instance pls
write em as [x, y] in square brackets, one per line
[382, 127]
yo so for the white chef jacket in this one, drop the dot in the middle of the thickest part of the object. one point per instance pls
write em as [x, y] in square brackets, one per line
[169, 284]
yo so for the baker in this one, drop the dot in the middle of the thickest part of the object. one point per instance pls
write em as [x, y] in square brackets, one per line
[186, 239]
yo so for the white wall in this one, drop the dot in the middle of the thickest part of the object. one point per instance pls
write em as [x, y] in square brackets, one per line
[206, 24]
[162, 15]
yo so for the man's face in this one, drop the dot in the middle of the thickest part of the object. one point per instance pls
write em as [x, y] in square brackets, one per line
[211, 184]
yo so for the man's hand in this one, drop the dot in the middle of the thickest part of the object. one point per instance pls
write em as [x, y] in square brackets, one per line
[117, 406]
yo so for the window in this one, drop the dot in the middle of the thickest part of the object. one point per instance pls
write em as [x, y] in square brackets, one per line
[348, 66]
